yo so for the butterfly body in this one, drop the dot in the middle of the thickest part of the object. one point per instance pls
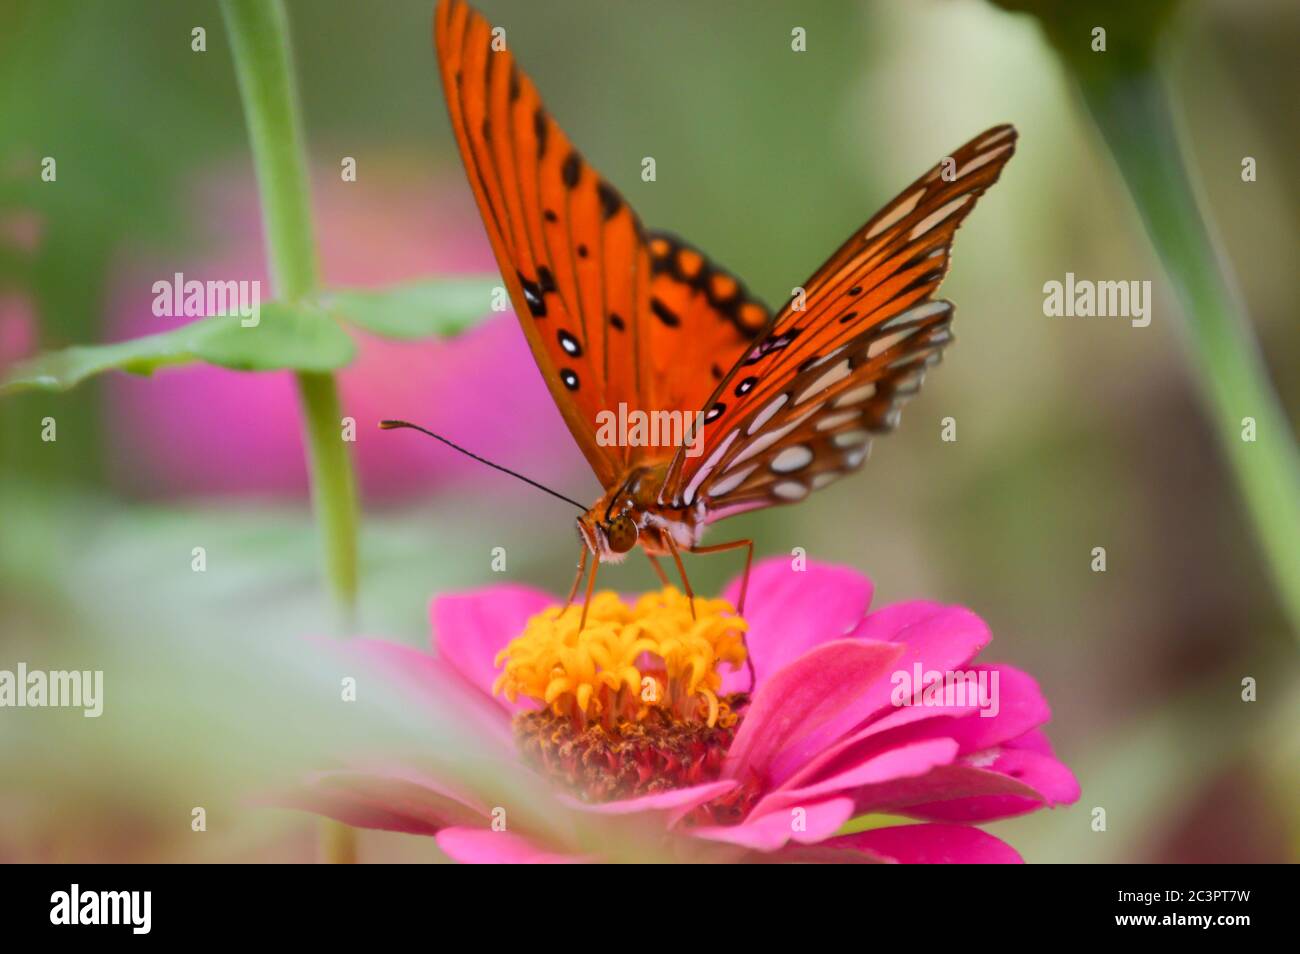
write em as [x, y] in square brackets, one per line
[631, 514]
[618, 316]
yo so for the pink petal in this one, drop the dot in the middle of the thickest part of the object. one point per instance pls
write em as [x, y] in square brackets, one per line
[1050, 783]
[944, 781]
[1034, 740]
[471, 628]
[906, 761]
[791, 611]
[416, 669]
[772, 831]
[1007, 781]
[1020, 707]
[482, 846]
[938, 637]
[394, 800]
[877, 736]
[425, 677]
[931, 844]
[826, 853]
[798, 699]
[676, 800]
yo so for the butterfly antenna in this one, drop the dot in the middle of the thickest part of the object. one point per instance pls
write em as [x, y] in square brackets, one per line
[393, 425]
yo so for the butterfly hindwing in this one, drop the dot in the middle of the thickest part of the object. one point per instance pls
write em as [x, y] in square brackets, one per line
[835, 366]
[702, 319]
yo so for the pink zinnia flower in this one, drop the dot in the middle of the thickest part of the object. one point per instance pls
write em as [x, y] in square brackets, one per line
[636, 719]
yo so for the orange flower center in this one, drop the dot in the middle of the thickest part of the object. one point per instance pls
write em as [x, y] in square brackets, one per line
[633, 703]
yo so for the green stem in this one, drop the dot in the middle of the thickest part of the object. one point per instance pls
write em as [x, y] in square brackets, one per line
[259, 40]
[333, 488]
[1130, 108]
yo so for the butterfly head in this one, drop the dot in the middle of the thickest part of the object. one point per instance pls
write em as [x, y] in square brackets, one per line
[608, 534]
[621, 533]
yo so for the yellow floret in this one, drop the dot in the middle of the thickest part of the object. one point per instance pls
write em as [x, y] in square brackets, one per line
[628, 659]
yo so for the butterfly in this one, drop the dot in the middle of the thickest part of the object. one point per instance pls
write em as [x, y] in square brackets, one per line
[621, 316]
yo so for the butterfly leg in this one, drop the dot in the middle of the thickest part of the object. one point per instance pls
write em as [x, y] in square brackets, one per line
[677, 558]
[659, 570]
[582, 569]
[744, 587]
[749, 560]
[591, 588]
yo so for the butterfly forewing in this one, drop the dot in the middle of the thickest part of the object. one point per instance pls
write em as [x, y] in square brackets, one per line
[836, 364]
[612, 315]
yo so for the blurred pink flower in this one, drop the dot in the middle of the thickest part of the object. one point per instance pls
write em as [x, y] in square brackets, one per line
[823, 738]
[205, 430]
[17, 328]
[20, 234]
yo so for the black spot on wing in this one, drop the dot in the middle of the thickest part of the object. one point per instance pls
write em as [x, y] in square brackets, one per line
[545, 279]
[921, 281]
[735, 305]
[610, 201]
[533, 296]
[664, 313]
[539, 129]
[571, 170]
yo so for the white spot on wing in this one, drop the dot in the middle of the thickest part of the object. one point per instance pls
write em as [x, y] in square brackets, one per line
[790, 490]
[707, 467]
[791, 459]
[934, 218]
[856, 395]
[765, 415]
[835, 420]
[827, 357]
[764, 441]
[994, 137]
[900, 211]
[918, 313]
[730, 482]
[982, 160]
[833, 376]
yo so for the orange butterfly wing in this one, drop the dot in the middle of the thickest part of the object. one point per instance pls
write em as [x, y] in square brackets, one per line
[799, 408]
[612, 315]
[703, 319]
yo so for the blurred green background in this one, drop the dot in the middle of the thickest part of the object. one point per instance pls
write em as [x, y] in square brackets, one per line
[1072, 434]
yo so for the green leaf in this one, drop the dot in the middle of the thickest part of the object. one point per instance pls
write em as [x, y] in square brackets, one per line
[440, 307]
[299, 337]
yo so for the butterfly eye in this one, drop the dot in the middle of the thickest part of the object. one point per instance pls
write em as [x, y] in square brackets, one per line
[621, 533]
